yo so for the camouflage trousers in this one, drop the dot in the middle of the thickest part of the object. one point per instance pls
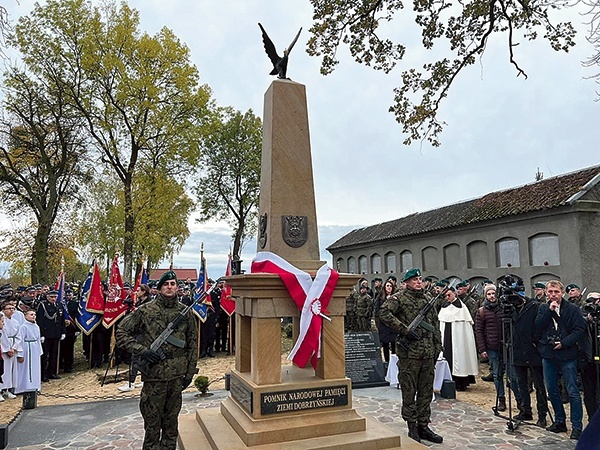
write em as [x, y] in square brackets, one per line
[416, 381]
[160, 404]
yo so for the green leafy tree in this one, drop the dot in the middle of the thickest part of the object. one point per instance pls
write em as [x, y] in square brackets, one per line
[229, 183]
[139, 95]
[461, 29]
[41, 164]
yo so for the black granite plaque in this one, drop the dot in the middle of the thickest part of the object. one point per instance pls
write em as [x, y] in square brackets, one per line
[303, 399]
[241, 393]
[364, 365]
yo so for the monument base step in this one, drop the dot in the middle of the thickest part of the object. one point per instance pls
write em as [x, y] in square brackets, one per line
[217, 434]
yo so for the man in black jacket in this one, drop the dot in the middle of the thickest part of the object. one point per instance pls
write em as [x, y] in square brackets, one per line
[52, 329]
[559, 326]
[526, 357]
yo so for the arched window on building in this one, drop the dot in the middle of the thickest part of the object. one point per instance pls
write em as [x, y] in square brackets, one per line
[362, 264]
[406, 261]
[390, 262]
[452, 257]
[430, 259]
[340, 266]
[507, 253]
[543, 250]
[375, 263]
[477, 255]
[352, 265]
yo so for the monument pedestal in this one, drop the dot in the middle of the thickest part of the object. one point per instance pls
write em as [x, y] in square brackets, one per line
[271, 405]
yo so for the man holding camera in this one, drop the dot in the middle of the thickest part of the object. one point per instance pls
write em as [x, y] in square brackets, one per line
[588, 350]
[559, 327]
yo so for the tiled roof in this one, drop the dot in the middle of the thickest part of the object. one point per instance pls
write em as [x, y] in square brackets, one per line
[541, 195]
[182, 274]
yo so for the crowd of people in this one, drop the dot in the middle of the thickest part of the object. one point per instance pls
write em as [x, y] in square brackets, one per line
[546, 342]
[38, 335]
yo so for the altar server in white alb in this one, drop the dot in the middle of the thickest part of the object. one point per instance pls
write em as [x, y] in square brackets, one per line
[11, 345]
[29, 370]
[458, 339]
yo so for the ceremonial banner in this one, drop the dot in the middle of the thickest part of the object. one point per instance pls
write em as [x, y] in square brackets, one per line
[114, 308]
[95, 300]
[311, 297]
[141, 279]
[201, 309]
[60, 287]
[86, 320]
[227, 301]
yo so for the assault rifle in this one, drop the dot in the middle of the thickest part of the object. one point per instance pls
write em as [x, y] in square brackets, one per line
[166, 336]
[419, 320]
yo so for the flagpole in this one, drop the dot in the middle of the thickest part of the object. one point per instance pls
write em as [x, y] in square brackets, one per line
[199, 321]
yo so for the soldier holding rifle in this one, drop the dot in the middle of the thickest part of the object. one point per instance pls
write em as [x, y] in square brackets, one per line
[417, 346]
[167, 365]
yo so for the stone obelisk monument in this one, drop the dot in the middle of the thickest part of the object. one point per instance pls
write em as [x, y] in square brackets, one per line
[273, 405]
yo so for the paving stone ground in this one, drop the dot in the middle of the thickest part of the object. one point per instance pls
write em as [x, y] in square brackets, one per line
[117, 424]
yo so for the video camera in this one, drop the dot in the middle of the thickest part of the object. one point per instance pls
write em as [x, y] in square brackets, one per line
[510, 291]
[592, 309]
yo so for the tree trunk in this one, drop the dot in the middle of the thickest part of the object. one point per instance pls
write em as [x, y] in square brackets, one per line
[39, 260]
[129, 230]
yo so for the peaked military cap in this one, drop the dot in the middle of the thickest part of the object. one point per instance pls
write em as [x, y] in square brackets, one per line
[571, 286]
[539, 285]
[52, 292]
[411, 273]
[169, 275]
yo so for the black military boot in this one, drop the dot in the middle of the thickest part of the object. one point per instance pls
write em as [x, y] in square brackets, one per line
[413, 431]
[427, 433]
[501, 403]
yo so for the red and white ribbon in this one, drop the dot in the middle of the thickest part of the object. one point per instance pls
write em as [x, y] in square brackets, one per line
[311, 296]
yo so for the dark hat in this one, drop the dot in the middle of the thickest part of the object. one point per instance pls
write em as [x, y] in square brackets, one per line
[30, 289]
[377, 279]
[445, 281]
[127, 285]
[427, 279]
[211, 281]
[52, 292]
[487, 281]
[539, 285]
[571, 286]
[152, 284]
[21, 289]
[169, 275]
[393, 278]
[440, 284]
[411, 273]
[462, 284]
[37, 286]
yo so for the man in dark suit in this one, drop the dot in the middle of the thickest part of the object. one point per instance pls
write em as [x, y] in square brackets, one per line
[51, 321]
[559, 326]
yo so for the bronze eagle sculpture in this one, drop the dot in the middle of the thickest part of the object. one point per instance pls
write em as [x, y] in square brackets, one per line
[279, 62]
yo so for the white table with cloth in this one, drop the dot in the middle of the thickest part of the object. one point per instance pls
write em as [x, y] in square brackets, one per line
[442, 372]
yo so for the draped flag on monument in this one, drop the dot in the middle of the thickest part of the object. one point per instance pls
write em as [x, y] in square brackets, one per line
[60, 287]
[201, 309]
[87, 320]
[311, 297]
[227, 301]
[114, 308]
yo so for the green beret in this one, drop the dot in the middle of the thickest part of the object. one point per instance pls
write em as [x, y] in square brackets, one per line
[377, 279]
[427, 279]
[170, 275]
[571, 286]
[411, 273]
[539, 285]
[462, 284]
[487, 281]
[440, 284]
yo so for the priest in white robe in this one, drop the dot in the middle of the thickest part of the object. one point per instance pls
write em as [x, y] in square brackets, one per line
[29, 369]
[11, 344]
[458, 339]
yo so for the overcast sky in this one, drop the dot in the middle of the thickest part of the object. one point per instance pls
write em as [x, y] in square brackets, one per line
[500, 128]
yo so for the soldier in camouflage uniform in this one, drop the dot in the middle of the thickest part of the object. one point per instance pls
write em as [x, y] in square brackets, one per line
[416, 360]
[364, 310]
[160, 400]
[467, 296]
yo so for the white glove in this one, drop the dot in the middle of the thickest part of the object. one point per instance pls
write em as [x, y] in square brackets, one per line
[62, 336]
[42, 339]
